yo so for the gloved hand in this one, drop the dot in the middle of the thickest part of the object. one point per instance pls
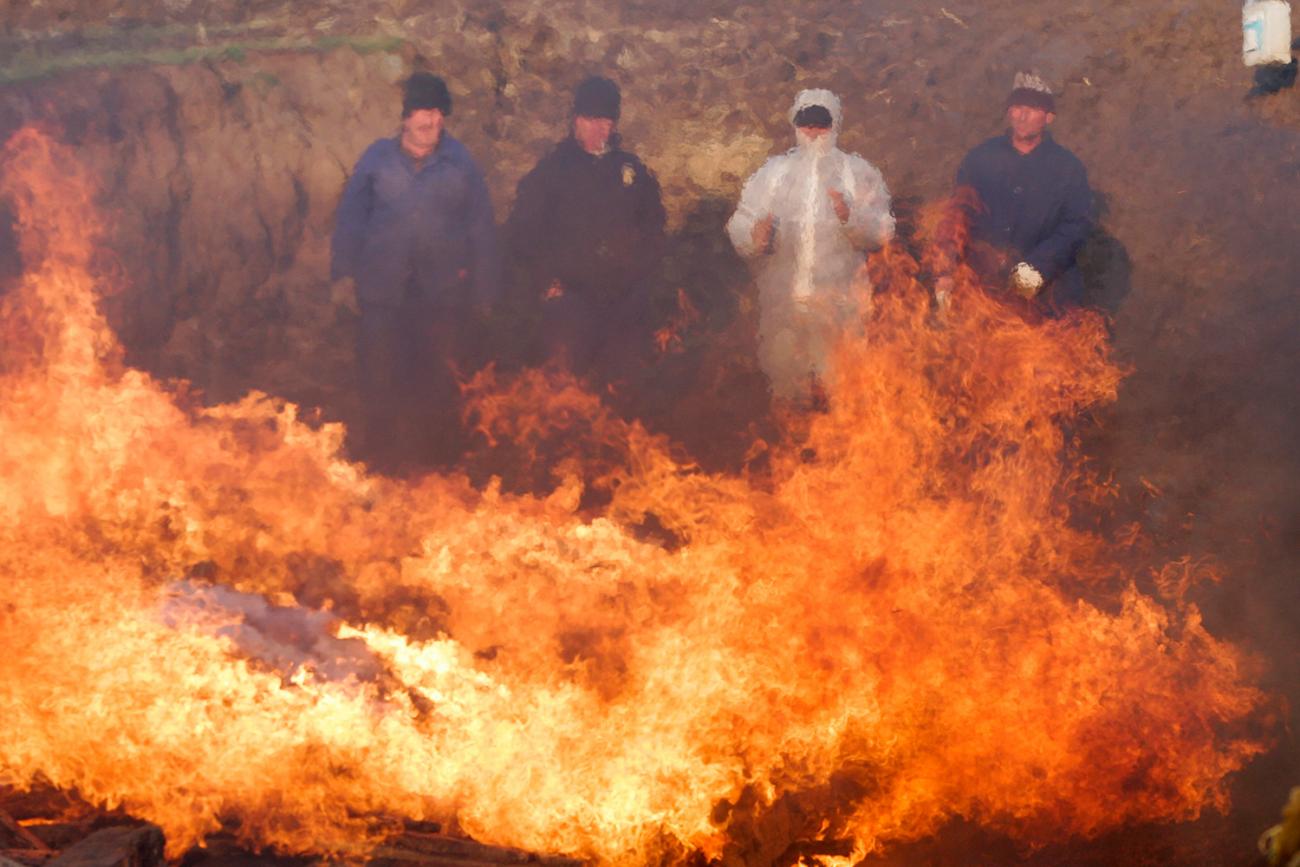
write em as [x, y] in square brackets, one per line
[1026, 280]
[840, 204]
[943, 292]
[343, 293]
[761, 236]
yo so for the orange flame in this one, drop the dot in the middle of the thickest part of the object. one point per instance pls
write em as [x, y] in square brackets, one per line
[669, 338]
[853, 647]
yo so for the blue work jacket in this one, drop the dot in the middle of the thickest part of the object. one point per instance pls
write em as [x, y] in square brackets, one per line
[417, 231]
[1035, 208]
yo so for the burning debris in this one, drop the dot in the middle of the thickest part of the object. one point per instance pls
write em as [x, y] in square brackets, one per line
[120, 846]
[19, 842]
[89, 838]
[835, 653]
[286, 638]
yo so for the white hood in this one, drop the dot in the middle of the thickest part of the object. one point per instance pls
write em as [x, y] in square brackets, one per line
[826, 100]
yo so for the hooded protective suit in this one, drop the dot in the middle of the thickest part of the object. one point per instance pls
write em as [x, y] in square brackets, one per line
[805, 275]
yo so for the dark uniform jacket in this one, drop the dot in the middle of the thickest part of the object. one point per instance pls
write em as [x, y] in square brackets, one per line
[594, 223]
[1035, 208]
[423, 230]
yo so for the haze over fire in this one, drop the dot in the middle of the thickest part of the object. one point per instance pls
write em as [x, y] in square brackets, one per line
[858, 646]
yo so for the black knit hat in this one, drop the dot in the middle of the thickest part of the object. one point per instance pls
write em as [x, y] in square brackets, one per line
[424, 90]
[597, 97]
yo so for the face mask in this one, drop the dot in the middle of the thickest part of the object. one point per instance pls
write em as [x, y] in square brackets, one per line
[819, 146]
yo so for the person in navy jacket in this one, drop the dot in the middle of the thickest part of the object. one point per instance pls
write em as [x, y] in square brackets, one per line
[586, 236]
[415, 232]
[1031, 208]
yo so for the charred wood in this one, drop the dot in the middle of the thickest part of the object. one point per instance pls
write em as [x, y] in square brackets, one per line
[808, 850]
[21, 834]
[40, 800]
[26, 857]
[138, 846]
[58, 836]
[398, 858]
[441, 850]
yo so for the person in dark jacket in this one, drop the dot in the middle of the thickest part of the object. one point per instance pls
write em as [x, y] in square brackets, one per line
[1031, 208]
[415, 233]
[586, 236]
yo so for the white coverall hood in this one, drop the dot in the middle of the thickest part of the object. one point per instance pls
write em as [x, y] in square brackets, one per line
[826, 100]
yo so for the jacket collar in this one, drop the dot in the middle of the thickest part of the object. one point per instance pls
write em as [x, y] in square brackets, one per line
[1047, 144]
[573, 149]
[447, 149]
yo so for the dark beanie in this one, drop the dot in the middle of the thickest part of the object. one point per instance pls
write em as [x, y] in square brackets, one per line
[424, 90]
[597, 97]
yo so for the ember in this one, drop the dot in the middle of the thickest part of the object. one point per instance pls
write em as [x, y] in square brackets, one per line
[837, 652]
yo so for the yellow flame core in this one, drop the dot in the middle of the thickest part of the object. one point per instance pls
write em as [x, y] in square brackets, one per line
[857, 647]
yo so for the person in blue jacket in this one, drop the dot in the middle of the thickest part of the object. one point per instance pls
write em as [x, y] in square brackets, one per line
[1032, 207]
[415, 233]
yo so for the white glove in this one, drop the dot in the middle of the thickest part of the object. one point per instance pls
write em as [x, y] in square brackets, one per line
[343, 293]
[1026, 280]
[943, 293]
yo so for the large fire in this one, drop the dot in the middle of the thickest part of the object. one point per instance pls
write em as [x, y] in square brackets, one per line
[895, 622]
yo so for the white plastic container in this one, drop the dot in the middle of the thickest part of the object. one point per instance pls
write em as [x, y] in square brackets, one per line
[1266, 32]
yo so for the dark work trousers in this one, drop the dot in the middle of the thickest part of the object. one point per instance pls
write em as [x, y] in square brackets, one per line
[410, 400]
[602, 341]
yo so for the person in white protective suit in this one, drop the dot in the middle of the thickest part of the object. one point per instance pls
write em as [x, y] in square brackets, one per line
[804, 221]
